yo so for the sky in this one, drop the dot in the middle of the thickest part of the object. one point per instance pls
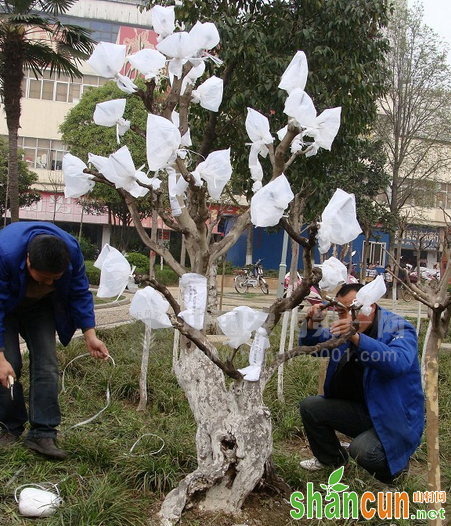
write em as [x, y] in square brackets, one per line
[437, 15]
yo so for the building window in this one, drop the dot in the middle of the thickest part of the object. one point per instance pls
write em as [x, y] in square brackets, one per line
[59, 88]
[46, 154]
[377, 253]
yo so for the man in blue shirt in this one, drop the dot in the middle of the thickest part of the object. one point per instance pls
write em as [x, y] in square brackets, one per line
[372, 391]
[43, 290]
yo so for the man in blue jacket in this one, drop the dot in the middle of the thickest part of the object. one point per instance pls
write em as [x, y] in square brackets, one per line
[43, 289]
[372, 391]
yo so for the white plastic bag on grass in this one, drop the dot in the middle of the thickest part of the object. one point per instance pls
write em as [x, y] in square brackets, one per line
[269, 203]
[256, 356]
[334, 274]
[150, 307]
[370, 293]
[77, 183]
[339, 223]
[195, 299]
[36, 502]
[239, 323]
[115, 272]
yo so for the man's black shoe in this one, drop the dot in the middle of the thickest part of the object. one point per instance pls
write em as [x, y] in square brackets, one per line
[46, 446]
[7, 439]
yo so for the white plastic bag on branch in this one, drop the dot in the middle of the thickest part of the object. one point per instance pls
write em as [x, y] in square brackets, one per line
[195, 299]
[162, 141]
[239, 323]
[163, 20]
[172, 190]
[257, 127]
[369, 294]
[295, 76]
[300, 107]
[192, 75]
[186, 138]
[149, 62]
[107, 60]
[120, 169]
[325, 129]
[339, 223]
[110, 113]
[216, 170]
[115, 273]
[256, 356]
[269, 203]
[209, 94]
[150, 307]
[204, 35]
[334, 274]
[77, 183]
[178, 46]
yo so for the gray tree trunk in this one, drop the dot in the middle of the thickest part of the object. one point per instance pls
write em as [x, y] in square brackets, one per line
[234, 440]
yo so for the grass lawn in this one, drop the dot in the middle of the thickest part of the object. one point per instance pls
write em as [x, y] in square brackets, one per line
[103, 484]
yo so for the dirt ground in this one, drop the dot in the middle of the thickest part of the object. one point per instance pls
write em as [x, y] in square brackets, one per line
[260, 509]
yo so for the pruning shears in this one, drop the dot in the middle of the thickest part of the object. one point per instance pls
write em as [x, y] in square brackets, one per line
[11, 386]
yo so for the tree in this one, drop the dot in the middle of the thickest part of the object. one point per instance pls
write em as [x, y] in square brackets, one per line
[27, 196]
[31, 36]
[82, 135]
[234, 441]
[414, 114]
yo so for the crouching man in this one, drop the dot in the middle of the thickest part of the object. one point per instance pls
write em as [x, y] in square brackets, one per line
[372, 391]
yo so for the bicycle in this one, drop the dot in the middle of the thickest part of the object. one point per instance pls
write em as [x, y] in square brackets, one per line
[254, 278]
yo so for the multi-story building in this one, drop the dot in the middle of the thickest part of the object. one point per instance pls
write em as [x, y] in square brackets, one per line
[47, 100]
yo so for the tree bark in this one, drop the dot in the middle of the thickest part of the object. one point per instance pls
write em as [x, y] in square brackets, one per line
[234, 440]
[432, 413]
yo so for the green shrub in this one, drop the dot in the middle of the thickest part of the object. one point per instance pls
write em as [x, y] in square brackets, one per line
[92, 273]
[166, 276]
[88, 248]
[140, 261]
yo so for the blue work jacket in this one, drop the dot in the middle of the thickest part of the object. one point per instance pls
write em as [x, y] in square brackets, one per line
[391, 382]
[72, 299]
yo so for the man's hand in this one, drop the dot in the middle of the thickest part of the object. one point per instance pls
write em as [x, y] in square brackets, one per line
[5, 370]
[97, 349]
[315, 315]
[343, 326]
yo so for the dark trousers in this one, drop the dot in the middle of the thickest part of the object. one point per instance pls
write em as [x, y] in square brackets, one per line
[36, 324]
[322, 417]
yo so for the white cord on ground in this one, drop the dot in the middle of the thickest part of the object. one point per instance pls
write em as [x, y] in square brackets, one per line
[130, 453]
[108, 396]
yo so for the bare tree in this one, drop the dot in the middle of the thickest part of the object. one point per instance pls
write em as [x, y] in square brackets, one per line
[415, 116]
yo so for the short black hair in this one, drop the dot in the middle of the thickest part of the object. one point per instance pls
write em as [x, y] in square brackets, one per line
[348, 287]
[48, 253]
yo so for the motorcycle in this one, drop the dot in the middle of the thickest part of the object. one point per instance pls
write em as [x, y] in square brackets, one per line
[253, 277]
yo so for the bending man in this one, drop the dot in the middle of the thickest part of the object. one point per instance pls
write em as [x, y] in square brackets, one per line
[43, 289]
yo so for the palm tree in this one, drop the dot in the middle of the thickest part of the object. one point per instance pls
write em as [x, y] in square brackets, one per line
[32, 37]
